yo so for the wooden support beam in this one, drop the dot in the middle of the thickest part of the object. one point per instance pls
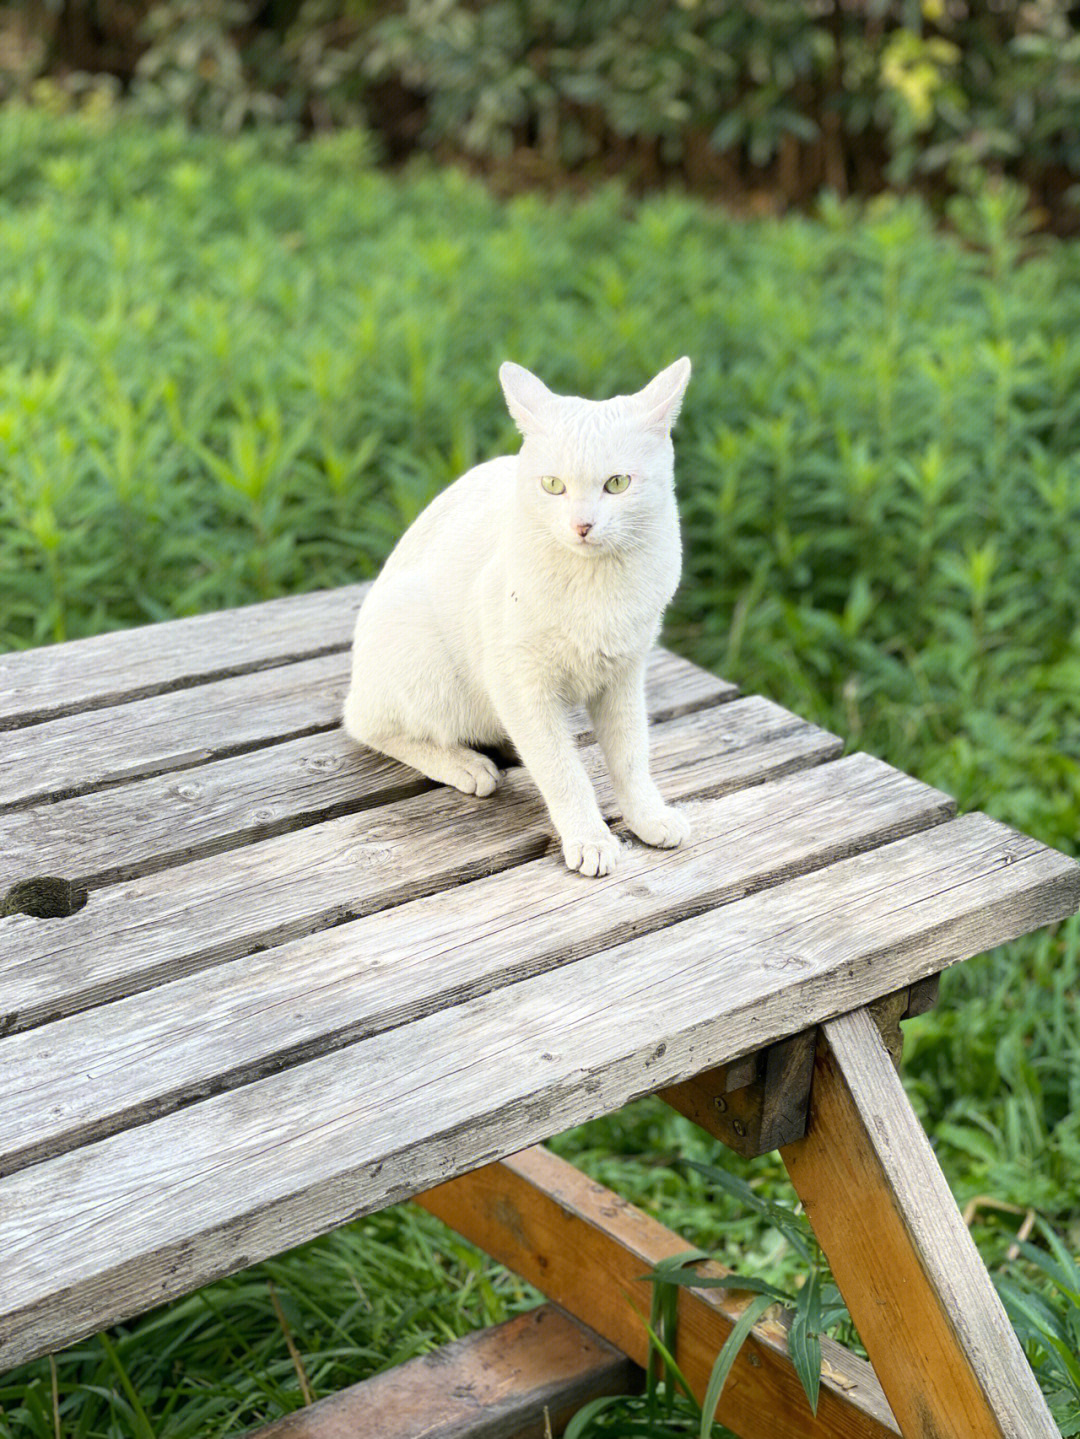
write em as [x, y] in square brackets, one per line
[756, 1104]
[923, 996]
[589, 1251]
[924, 1305]
[762, 1101]
[494, 1384]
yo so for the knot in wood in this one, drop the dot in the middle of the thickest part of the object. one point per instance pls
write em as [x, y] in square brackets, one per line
[323, 763]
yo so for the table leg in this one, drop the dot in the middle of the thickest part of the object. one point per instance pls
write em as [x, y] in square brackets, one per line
[922, 1301]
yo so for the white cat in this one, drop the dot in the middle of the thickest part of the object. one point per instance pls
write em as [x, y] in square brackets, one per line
[530, 585]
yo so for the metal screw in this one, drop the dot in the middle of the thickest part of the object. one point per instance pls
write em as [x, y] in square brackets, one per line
[720, 1103]
[739, 1128]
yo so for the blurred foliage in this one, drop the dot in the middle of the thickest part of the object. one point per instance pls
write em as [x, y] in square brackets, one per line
[849, 94]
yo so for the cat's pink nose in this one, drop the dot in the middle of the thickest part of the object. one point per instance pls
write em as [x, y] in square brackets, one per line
[583, 530]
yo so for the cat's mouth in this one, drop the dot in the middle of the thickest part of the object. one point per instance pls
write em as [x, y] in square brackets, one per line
[584, 544]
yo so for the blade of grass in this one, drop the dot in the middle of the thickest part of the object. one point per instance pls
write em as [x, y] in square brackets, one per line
[726, 1358]
[294, 1353]
[143, 1427]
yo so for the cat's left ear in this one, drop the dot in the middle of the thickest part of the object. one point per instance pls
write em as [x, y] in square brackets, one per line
[662, 398]
[527, 397]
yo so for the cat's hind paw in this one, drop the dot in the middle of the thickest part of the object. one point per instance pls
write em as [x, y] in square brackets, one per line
[592, 856]
[665, 828]
[472, 773]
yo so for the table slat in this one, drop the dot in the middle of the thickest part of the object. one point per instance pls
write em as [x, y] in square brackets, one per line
[147, 930]
[172, 731]
[126, 664]
[143, 825]
[122, 1063]
[188, 727]
[141, 1216]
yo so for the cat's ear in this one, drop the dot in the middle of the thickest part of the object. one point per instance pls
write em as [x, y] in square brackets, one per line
[527, 397]
[662, 397]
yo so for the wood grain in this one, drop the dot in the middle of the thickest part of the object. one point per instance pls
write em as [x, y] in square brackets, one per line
[145, 825]
[924, 1306]
[137, 1058]
[144, 931]
[176, 730]
[188, 727]
[129, 664]
[134, 1219]
[494, 1384]
[142, 825]
[589, 1250]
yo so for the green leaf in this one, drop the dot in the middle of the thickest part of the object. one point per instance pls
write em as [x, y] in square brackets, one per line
[580, 1425]
[726, 1358]
[803, 1344]
[1035, 1320]
[143, 1427]
[676, 1271]
[782, 1219]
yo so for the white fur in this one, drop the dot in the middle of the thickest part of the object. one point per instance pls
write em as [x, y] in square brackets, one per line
[493, 615]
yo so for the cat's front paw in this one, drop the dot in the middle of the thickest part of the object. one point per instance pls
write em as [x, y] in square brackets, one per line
[665, 827]
[593, 855]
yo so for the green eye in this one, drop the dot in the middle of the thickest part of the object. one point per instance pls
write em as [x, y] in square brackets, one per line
[553, 484]
[617, 484]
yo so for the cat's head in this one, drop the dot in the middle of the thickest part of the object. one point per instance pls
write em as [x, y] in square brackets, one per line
[597, 475]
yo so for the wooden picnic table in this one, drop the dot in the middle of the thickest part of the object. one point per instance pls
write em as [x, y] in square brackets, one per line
[287, 982]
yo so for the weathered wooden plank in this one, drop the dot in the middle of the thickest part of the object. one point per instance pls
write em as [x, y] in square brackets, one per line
[187, 727]
[135, 828]
[172, 731]
[143, 1215]
[130, 664]
[494, 1384]
[130, 829]
[132, 1060]
[925, 1308]
[589, 1250]
[144, 931]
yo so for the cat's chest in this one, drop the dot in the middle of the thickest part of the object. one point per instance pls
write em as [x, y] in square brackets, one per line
[587, 626]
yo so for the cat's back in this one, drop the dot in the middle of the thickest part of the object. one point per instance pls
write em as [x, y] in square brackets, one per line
[459, 528]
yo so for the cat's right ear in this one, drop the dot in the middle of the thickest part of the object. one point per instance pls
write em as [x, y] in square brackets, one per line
[527, 397]
[662, 397]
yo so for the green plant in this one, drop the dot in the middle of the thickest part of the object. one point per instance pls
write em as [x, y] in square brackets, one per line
[1045, 1310]
[727, 97]
[669, 1407]
[194, 67]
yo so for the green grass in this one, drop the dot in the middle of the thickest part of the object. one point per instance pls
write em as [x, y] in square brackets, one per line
[381, 1291]
[236, 370]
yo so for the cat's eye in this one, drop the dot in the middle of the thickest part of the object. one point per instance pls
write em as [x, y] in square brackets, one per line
[553, 484]
[617, 483]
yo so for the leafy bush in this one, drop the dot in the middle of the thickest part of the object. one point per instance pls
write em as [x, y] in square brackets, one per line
[235, 370]
[846, 95]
